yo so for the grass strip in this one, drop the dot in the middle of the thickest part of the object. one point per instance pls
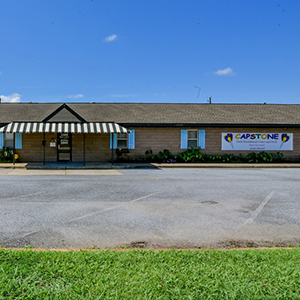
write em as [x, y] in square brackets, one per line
[147, 274]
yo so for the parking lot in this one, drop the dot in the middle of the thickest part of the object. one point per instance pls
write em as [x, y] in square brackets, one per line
[157, 208]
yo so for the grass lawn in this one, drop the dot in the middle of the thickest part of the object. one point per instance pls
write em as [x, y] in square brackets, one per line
[146, 274]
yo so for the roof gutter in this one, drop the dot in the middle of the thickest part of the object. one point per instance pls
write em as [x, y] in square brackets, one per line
[208, 125]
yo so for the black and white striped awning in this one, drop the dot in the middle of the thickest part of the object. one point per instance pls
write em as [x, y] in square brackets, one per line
[26, 127]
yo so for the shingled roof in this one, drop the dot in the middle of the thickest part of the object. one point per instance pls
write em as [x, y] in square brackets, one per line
[160, 113]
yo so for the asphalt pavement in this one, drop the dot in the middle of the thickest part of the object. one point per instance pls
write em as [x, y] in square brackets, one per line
[155, 208]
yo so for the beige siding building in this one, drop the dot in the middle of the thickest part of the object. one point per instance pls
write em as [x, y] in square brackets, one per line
[91, 132]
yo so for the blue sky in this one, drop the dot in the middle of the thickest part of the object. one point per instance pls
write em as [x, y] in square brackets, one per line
[235, 51]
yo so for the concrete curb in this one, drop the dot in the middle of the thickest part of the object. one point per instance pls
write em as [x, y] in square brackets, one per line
[13, 166]
[228, 165]
[107, 166]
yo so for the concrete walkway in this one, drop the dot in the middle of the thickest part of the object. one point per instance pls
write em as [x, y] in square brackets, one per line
[76, 166]
[43, 172]
[107, 165]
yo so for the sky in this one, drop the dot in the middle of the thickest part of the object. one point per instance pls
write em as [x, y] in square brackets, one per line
[166, 51]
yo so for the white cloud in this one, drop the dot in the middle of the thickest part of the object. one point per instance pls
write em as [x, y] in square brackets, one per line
[11, 98]
[77, 96]
[225, 72]
[110, 38]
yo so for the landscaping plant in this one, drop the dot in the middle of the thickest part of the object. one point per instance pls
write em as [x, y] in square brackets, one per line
[6, 154]
[194, 155]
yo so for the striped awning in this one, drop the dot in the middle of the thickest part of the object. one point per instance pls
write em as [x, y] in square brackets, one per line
[63, 128]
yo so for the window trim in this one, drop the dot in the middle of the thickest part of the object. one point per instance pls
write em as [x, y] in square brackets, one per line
[122, 139]
[130, 143]
[5, 139]
[194, 139]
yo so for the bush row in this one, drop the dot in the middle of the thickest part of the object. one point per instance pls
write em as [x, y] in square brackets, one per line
[6, 154]
[194, 155]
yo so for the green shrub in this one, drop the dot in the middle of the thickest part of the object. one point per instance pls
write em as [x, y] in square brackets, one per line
[6, 154]
[194, 155]
[190, 155]
[263, 157]
[161, 157]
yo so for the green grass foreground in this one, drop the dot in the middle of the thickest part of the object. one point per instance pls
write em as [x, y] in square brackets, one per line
[138, 274]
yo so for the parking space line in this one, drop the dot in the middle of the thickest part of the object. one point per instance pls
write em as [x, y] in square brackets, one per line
[79, 218]
[258, 210]
[109, 208]
[24, 196]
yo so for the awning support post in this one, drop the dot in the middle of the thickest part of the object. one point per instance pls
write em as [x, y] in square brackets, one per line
[14, 151]
[112, 148]
[84, 149]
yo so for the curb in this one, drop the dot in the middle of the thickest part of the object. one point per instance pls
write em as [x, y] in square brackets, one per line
[12, 166]
[116, 166]
[228, 166]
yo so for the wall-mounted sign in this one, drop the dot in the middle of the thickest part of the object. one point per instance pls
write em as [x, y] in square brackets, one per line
[257, 141]
[52, 144]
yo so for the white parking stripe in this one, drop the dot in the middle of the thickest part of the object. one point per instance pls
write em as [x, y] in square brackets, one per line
[258, 210]
[110, 208]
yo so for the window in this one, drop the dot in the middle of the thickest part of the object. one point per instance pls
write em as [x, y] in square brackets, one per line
[192, 138]
[9, 140]
[122, 140]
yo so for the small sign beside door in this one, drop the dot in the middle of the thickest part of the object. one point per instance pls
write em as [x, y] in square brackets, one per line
[52, 144]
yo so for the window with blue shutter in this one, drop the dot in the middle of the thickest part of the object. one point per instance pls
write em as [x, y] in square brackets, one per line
[184, 135]
[192, 138]
[202, 138]
[124, 140]
[18, 141]
[131, 139]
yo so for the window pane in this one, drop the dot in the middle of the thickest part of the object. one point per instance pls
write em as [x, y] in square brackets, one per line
[192, 143]
[9, 144]
[122, 144]
[9, 136]
[192, 134]
[122, 136]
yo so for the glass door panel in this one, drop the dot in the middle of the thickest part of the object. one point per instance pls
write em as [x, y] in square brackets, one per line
[64, 147]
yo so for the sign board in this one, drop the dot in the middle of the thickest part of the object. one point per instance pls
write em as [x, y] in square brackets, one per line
[52, 144]
[237, 141]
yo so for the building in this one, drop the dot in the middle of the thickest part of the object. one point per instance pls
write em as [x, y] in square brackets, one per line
[90, 132]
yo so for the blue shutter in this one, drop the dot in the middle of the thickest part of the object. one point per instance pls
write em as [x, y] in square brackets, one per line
[131, 139]
[202, 138]
[18, 141]
[184, 141]
[1, 140]
[115, 140]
